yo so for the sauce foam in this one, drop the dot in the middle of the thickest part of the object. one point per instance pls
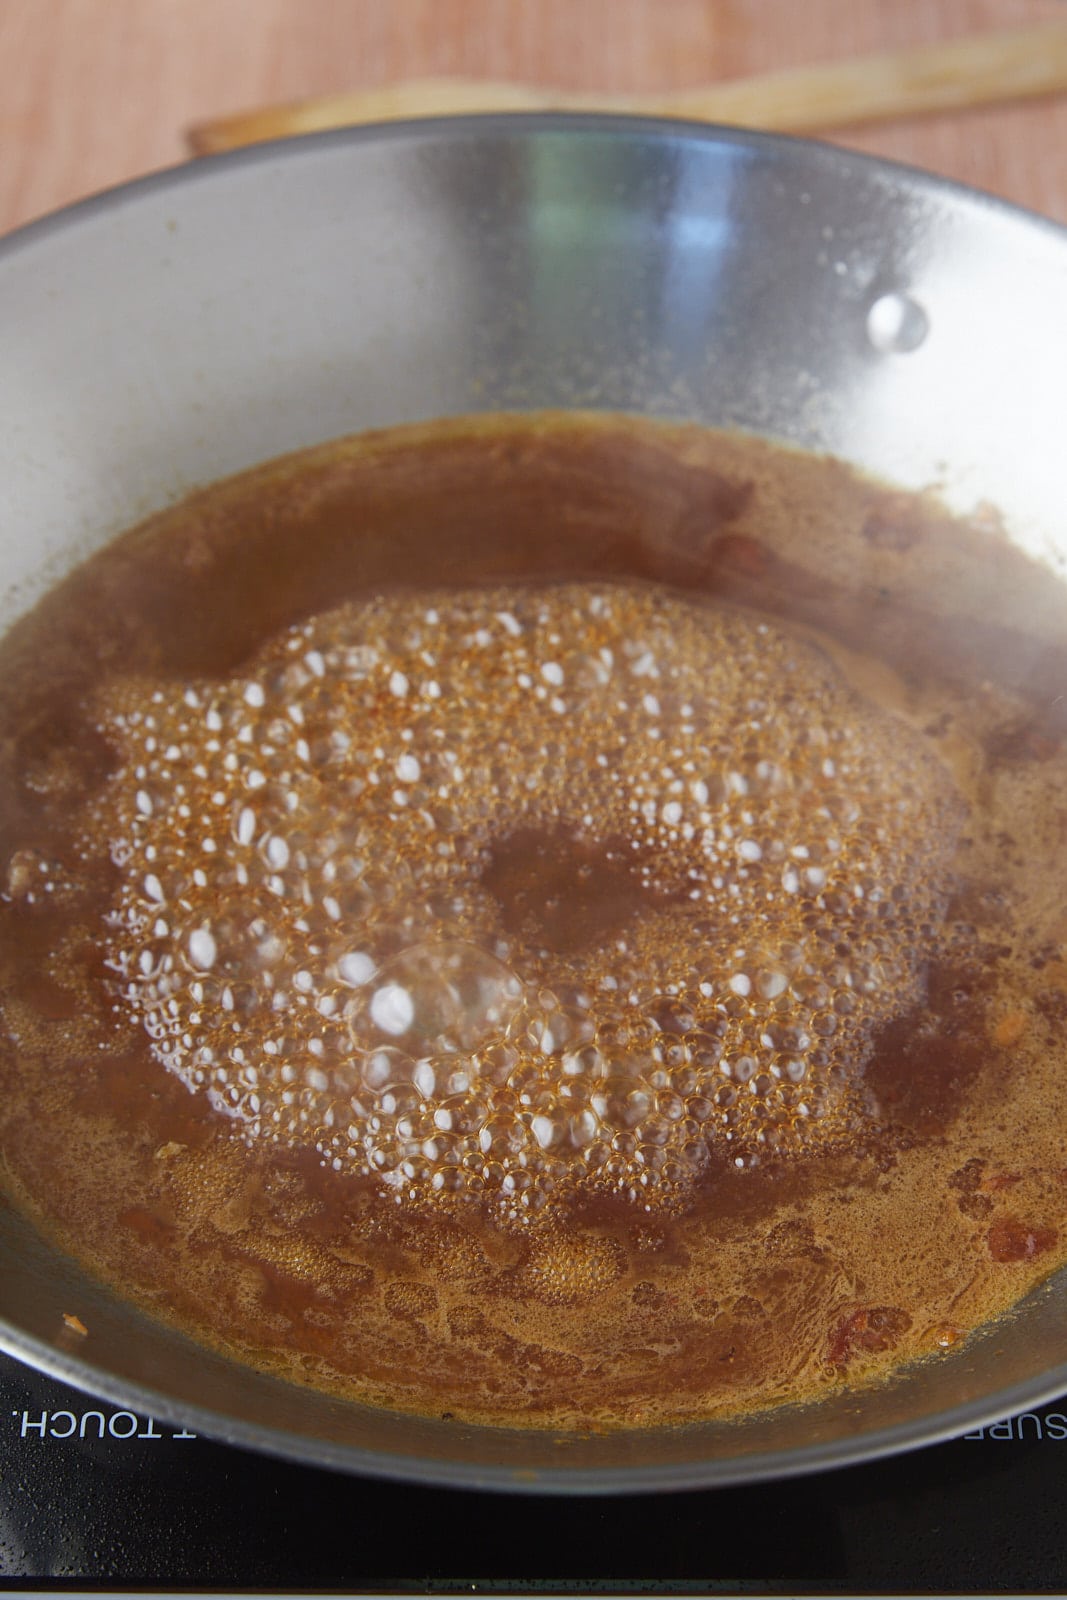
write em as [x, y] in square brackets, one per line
[518, 892]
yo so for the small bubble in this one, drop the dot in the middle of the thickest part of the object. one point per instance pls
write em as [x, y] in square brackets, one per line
[392, 1009]
[897, 324]
[356, 967]
[544, 1131]
[202, 948]
[277, 852]
[771, 984]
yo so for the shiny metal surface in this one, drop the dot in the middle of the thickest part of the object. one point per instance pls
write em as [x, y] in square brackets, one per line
[190, 325]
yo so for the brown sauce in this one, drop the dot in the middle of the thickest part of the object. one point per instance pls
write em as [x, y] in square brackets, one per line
[545, 920]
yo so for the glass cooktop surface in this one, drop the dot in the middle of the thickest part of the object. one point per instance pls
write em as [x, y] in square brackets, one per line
[92, 1496]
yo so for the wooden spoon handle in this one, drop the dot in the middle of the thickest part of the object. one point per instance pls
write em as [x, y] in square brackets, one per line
[951, 75]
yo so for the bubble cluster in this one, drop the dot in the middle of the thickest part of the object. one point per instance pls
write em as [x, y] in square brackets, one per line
[524, 893]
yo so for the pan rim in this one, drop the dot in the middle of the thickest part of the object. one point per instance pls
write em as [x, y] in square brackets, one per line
[572, 1479]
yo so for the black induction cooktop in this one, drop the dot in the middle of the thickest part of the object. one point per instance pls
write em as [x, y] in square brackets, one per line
[92, 1496]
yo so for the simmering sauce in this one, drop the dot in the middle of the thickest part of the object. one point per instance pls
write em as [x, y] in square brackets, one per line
[550, 920]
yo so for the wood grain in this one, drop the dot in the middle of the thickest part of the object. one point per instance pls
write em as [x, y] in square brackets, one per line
[93, 92]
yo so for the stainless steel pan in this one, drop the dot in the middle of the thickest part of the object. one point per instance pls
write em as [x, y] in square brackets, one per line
[185, 327]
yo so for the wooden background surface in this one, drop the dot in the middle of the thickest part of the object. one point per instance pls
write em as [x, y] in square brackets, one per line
[96, 91]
